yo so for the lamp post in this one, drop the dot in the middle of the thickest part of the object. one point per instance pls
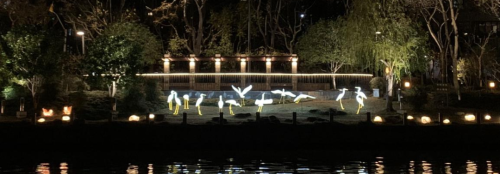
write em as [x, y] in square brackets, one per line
[81, 33]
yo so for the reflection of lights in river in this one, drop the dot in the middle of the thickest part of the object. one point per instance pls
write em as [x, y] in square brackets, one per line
[411, 167]
[489, 167]
[43, 168]
[447, 168]
[471, 167]
[426, 167]
[379, 165]
[150, 168]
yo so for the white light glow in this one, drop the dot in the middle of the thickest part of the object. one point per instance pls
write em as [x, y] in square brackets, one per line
[133, 118]
[407, 84]
[492, 84]
[245, 74]
[268, 59]
[409, 117]
[66, 118]
[377, 119]
[47, 112]
[243, 60]
[294, 59]
[425, 120]
[191, 59]
[80, 33]
[41, 120]
[487, 117]
[470, 117]
[217, 60]
[67, 110]
[151, 116]
[446, 121]
[378, 32]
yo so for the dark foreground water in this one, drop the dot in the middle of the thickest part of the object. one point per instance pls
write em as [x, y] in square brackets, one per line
[252, 162]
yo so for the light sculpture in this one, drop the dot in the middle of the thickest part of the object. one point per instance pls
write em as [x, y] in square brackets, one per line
[470, 117]
[133, 118]
[232, 102]
[301, 96]
[262, 102]
[177, 104]
[198, 103]
[186, 101]
[425, 120]
[47, 112]
[363, 96]
[359, 99]
[340, 96]
[221, 103]
[283, 94]
[242, 93]
[170, 98]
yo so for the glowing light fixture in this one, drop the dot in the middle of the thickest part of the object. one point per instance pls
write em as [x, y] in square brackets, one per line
[41, 120]
[243, 60]
[191, 59]
[66, 118]
[409, 117]
[377, 119]
[47, 112]
[470, 117]
[151, 116]
[217, 60]
[133, 118]
[67, 110]
[425, 120]
[446, 121]
[487, 117]
[407, 84]
[80, 33]
[387, 70]
[492, 84]
[268, 59]
[378, 32]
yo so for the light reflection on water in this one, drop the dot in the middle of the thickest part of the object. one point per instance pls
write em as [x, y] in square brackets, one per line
[232, 166]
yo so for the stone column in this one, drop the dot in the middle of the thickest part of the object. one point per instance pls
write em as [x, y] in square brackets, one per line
[166, 70]
[294, 71]
[217, 70]
[268, 70]
[243, 69]
[192, 70]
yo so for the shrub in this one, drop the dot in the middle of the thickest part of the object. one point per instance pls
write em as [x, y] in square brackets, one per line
[417, 97]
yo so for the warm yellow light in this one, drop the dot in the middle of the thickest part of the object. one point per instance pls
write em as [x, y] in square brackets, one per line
[387, 70]
[487, 117]
[470, 117]
[133, 118]
[294, 59]
[377, 119]
[243, 60]
[446, 121]
[409, 117]
[151, 116]
[378, 32]
[80, 33]
[47, 112]
[166, 60]
[191, 59]
[66, 118]
[492, 84]
[268, 63]
[217, 60]
[268, 59]
[67, 110]
[294, 63]
[41, 120]
[425, 120]
[407, 84]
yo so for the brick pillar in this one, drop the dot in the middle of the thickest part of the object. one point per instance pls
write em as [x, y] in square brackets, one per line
[166, 70]
[294, 71]
[243, 69]
[192, 70]
[268, 70]
[217, 70]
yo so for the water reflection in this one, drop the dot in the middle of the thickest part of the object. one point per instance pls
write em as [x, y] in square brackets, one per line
[235, 166]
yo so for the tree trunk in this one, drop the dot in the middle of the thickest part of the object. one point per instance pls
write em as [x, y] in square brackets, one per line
[334, 82]
[455, 49]
[389, 96]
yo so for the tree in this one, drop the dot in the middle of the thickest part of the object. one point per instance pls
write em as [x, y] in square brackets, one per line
[141, 36]
[112, 58]
[322, 43]
[397, 41]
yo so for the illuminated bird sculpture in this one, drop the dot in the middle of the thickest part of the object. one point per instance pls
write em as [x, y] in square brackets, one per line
[262, 102]
[301, 96]
[363, 96]
[170, 98]
[186, 101]
[177, 104]
[283, 94]
[198, 103]
[242, 93]
[341, 95]
[359, 99]
[232, 102]
[221, 103]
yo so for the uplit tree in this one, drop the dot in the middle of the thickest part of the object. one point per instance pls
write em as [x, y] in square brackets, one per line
[322, 43]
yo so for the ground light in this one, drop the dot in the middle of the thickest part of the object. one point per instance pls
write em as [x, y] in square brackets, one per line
[409, 117]
[41, 120]
[66, 118]
[151, 116]
[487, 117]
[425, 120]
[470, 117]
[407, 84]
[492, 84]
[133, 118]
[377, 119]
[446, 121]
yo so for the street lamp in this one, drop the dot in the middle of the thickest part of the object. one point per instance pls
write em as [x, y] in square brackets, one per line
[81, 33]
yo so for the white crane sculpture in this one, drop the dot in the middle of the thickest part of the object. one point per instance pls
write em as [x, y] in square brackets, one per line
[232, 102]
[177, 104]
[283, 94]
[341, 95]
[363, 96]
[301, 96]
[221, 103]
[186, 101]
[359, 99]
[262, 102]
[242, 93]
[198, 103]
[170, 98]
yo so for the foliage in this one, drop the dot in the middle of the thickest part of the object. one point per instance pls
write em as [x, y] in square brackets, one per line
[134, 100]
[111, 58]
[416, 96]
[141, 36]
[378, 83]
